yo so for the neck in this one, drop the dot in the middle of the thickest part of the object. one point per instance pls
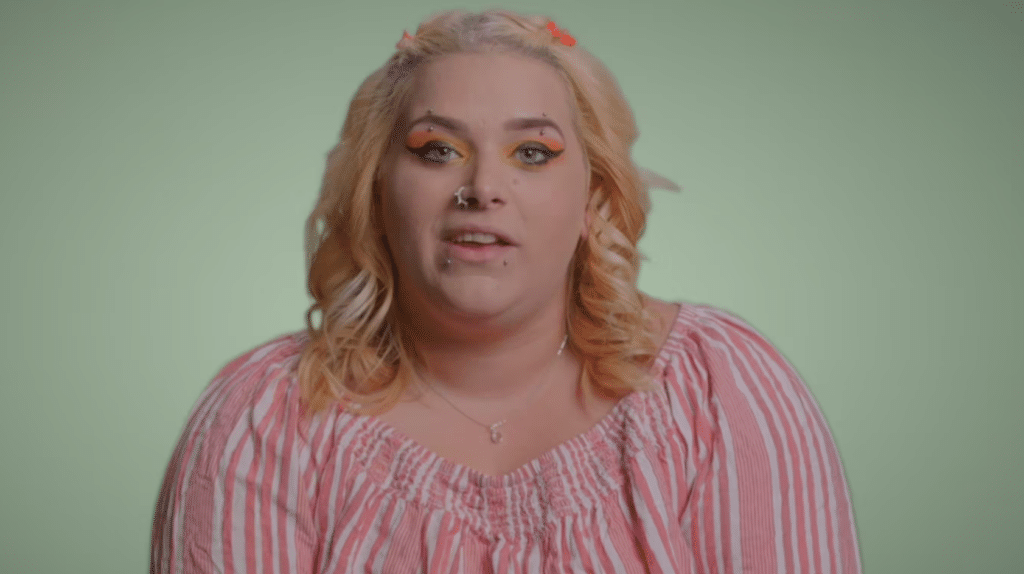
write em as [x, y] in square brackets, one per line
[499, 367]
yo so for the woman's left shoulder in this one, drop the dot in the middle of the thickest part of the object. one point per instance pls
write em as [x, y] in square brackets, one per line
[706, 334]
[682, 317]
[666, 316]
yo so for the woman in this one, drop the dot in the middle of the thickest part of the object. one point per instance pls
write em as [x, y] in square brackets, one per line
[487, 390]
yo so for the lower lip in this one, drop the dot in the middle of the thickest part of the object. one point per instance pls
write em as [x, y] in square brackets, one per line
[478, 254]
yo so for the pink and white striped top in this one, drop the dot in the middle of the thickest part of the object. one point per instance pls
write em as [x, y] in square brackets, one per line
[728, 467]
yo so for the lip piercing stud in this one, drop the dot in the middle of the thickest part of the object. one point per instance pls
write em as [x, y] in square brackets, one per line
[458, 197]
[430, 128]
[430, 112]
[541, 132]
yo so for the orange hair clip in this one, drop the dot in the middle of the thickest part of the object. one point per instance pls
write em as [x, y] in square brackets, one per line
[561, 35]
[406, 38]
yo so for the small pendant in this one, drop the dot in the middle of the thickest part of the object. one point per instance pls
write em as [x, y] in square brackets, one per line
[495, 433]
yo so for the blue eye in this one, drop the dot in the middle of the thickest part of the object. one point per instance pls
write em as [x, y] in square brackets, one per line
[436, 152]
[536, 154]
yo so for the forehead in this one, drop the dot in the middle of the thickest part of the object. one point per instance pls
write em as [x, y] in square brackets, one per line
[482, 87]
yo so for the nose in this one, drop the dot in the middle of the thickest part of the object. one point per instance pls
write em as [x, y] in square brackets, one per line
[487, 187]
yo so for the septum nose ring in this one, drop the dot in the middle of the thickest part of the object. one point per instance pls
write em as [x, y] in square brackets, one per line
[460, 201]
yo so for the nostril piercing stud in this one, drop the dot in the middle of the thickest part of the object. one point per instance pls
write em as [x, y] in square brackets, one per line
[462, 203]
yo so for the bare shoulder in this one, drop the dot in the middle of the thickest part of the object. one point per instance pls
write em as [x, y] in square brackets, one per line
[665, 313]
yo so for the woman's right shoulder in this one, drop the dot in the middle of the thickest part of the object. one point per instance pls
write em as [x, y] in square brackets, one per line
[256, 384]
[245, 452]
[281, 349]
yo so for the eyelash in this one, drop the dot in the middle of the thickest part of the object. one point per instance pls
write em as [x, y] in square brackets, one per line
[433, 146]
[544, 151]
[423, 152]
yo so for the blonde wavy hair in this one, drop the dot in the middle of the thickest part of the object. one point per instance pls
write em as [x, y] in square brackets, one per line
[358, 357]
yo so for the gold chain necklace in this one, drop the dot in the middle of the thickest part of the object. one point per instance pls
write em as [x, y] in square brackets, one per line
[496, 435]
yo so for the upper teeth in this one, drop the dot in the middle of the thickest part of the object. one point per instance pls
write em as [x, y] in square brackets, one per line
[477, 238]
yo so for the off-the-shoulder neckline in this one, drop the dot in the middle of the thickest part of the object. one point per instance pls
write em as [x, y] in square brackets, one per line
[525, 472]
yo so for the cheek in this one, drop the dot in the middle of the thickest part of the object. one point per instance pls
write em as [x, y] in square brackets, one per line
[409, 213]
[565, 218]
[396, 215]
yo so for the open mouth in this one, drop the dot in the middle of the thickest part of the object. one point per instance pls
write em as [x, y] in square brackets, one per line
[478, 244]
[476, 252]
[476, 239]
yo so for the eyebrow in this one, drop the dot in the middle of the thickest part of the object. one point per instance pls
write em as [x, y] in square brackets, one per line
[515, 124]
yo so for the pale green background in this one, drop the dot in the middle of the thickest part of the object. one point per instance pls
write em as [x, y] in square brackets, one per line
[853, 188]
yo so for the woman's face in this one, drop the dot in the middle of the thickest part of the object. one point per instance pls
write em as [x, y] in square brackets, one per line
[502, 126]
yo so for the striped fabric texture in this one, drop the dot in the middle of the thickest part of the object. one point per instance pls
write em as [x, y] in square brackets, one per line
[729, 467]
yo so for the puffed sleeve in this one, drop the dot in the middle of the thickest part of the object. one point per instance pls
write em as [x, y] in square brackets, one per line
[236, 493]
[769, 493]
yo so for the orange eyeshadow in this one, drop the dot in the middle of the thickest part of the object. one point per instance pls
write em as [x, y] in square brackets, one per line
[553, 145]
[419, 139]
